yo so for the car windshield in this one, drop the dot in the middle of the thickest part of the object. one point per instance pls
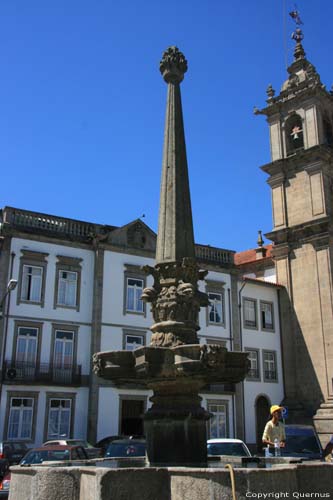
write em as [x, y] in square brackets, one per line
[301, 444]
[79, 442]
[40, 456]
[301, 440]
[234, 449]
[126, 450]
[15, 446]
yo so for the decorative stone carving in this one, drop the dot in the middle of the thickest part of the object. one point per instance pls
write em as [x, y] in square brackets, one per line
[98, 364]
[270, 91]
[173, 65]
[175, 302]
[213, 356]
[136, 236]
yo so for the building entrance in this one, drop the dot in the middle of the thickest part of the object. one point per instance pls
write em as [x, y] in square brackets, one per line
[262, 416]
[131, 420]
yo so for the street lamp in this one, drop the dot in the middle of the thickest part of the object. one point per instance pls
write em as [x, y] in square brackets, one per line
[10, 287]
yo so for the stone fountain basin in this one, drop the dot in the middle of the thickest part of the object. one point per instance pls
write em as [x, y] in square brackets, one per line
[169, 483]
[208, 362]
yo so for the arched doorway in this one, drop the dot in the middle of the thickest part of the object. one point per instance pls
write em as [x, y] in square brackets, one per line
[262, 416]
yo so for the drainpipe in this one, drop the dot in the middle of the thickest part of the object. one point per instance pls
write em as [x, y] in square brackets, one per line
[281, 342]
[230, 322]
[11, 285]
[231, 349]
[241, 348]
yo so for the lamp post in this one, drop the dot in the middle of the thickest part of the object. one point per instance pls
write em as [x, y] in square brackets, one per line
[10, 287]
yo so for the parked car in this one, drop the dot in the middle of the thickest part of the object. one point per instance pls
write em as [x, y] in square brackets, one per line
[54, 453]
[228, 446]
[4, 467]
[4, 486]
[92, 451]
[126, 448]
[12, 451]
[104, 443]
[302, 442]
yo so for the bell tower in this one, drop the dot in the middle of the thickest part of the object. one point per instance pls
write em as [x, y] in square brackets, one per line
[300, 122]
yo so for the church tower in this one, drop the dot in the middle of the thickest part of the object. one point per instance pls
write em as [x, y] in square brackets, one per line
[300, 121]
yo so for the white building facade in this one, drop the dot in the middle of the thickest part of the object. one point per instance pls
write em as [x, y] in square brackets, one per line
[78, 292]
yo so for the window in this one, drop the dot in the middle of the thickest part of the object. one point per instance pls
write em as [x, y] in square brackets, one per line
[26, 346]
[133, 296]
[68, 280]
[32, 283]
[215, 312]
[294, 134]
[133, 341]
[215, 341]
[25, 358]
[253, 373]
[63, 353]
[215, 307]
[134, 283]
[267, 319]
[250, 313]
[63, 350]
[218, 427]
[59, 418]
[32, 277]
[67, 289]
[20, 418]
[269, 362]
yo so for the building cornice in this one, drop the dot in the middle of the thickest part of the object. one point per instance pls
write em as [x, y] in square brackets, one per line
[302, 233]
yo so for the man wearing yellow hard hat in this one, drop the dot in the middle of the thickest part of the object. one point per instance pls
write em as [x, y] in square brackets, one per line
[274, 431]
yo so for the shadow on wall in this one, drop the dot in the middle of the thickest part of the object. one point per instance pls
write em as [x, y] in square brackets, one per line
[303, 394]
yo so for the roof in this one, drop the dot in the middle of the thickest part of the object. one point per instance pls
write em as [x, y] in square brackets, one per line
[258, 281]
[251, 255]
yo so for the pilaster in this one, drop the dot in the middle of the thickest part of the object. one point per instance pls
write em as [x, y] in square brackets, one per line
[95, 345]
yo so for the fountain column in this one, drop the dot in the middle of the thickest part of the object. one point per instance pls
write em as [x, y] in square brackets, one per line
[174, 366]
[175, 426]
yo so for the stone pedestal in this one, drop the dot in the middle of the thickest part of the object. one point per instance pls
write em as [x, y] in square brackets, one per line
[323, 421]
[176, 441]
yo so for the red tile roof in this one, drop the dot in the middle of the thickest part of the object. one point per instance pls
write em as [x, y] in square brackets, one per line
[250, 255]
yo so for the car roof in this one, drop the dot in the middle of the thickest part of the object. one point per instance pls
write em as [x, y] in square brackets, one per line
[225, 440]
[127, 441]
[299, 426]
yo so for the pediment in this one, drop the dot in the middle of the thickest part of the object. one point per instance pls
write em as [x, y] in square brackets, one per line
[136, 235]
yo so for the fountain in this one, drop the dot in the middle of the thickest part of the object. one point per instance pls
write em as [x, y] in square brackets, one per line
[175, 367]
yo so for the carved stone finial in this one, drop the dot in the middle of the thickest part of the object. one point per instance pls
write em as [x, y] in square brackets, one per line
[173, 65]
[260, 240]
[270, 92]
[298, 36]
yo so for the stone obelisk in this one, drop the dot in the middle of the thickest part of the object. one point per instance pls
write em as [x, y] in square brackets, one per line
[175, 298]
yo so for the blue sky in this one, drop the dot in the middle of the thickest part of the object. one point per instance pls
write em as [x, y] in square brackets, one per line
[82, 105]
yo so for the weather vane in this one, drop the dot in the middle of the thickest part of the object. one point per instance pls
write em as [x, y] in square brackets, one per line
[297, 35]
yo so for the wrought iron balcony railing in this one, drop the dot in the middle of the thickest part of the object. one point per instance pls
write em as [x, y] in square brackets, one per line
[253, 373]
[41, 373]
[270, 375]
